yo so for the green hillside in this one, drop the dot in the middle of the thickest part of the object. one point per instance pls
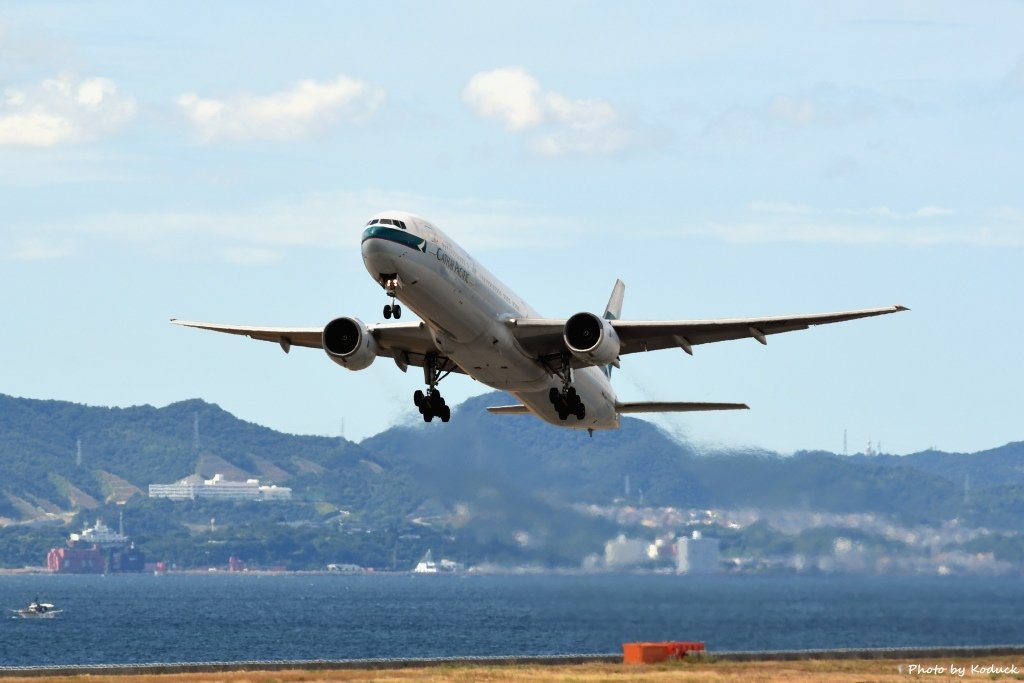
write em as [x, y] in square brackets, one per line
[482, 488]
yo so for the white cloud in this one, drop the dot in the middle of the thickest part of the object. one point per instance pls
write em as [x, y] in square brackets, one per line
[932, 211]
[793, 110]
[1015, 78]
[886, 212]
[821, 106]
[926, 226]
[251, 256]
[36, 249]
[780, 207]
[62, 110]
[306, 108]
[1008, 214]
[268, 231]
[511, 95]
[566, 126]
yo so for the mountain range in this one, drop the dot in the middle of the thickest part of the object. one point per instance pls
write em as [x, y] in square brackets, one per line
[482, 478]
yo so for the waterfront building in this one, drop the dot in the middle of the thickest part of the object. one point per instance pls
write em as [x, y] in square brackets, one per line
[697, 555]
[625, 552]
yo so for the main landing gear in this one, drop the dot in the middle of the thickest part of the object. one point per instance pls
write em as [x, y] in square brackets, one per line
[431, 404]
[391, 284]
[567, 402]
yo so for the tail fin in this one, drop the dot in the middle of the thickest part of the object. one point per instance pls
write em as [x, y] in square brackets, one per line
[613, 311]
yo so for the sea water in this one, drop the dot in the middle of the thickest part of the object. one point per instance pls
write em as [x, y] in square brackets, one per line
[237, 617]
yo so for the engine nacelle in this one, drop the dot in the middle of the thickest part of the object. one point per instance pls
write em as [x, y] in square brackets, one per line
[592, 339]
[349, 344]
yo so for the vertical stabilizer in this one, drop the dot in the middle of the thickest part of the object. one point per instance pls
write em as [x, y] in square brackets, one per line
[613, 311]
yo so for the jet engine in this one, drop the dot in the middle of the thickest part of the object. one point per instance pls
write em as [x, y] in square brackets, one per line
[591, 339]
[349, 344]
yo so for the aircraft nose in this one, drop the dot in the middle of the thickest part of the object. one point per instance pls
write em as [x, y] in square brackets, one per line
[378, 256]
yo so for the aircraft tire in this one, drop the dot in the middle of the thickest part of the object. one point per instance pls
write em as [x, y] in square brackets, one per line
[397, 310]
[417, 398]
[446, 414]
[387, 312]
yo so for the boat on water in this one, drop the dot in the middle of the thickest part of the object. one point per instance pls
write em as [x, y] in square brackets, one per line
[37, 610]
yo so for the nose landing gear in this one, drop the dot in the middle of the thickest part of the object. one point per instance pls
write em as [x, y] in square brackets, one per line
[391, 285]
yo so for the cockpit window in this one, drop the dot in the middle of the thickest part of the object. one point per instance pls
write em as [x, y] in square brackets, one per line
[388, 221]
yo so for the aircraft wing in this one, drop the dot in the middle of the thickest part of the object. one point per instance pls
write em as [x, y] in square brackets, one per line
[287, 337]
[651, 335]
[407, 343]
[543, 336]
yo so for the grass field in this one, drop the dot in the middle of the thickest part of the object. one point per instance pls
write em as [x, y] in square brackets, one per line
[852, 671]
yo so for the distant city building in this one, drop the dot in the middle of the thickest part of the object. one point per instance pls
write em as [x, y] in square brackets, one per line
[697, 555]
[625, 552]
[220, 488]
[427, 565]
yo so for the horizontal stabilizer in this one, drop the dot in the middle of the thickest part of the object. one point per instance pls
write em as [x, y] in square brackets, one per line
[518, 409]
[675, 407]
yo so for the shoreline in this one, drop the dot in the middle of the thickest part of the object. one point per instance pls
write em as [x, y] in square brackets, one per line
[747, 656]
[988, 663]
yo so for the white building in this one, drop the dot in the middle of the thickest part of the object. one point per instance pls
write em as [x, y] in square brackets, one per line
[697, 555]
[625, 552]
[220, 488]
[427, 565]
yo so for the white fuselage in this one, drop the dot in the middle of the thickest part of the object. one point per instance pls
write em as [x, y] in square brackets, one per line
[466, 310]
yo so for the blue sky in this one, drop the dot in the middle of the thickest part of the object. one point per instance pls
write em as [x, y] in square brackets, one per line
[217, 161]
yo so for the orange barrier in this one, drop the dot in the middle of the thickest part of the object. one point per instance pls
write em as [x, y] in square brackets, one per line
[651, 653]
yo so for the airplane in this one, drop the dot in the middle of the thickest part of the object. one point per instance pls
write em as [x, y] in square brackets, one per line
[470, 323]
